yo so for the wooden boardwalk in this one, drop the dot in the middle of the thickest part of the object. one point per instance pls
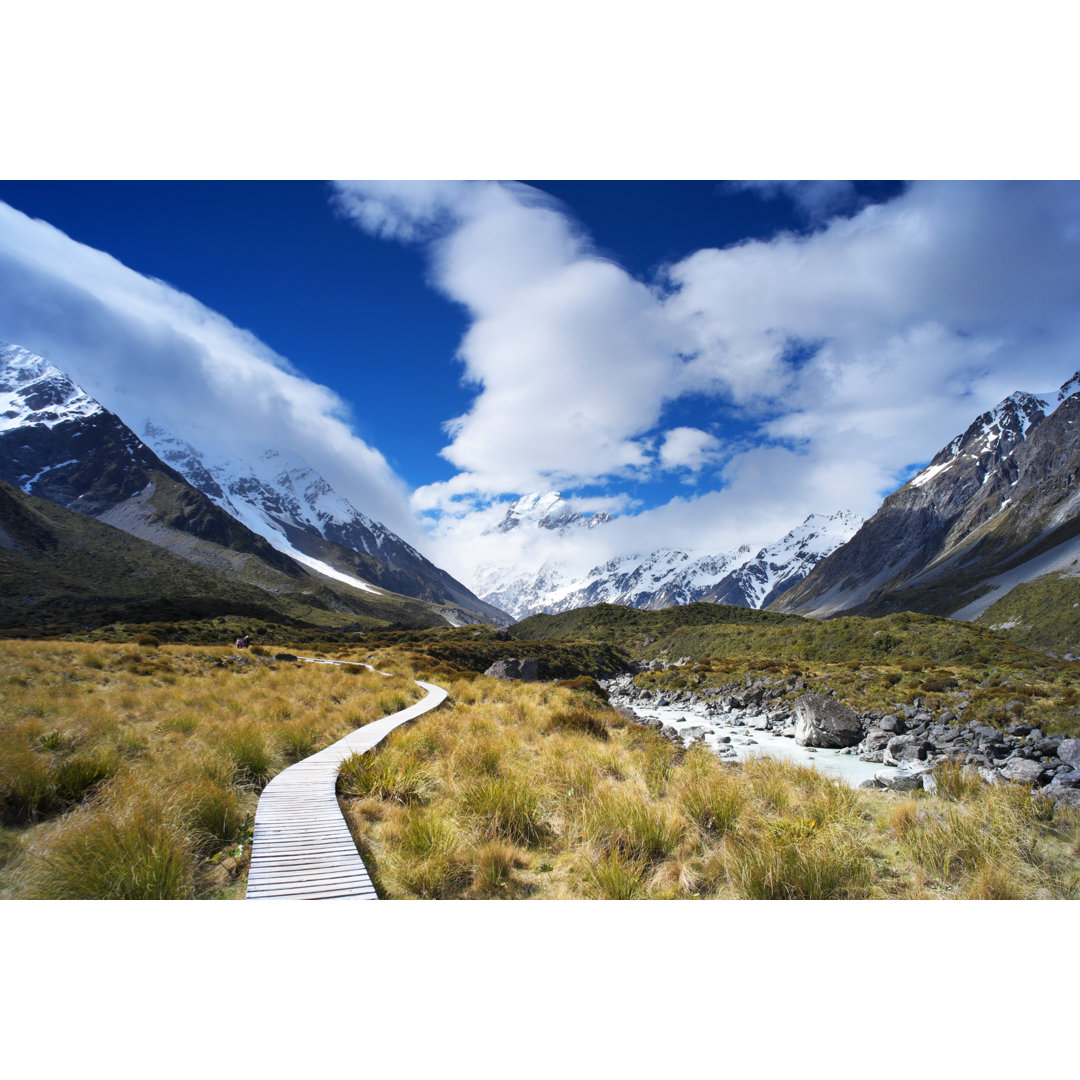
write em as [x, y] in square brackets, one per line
[302, 849]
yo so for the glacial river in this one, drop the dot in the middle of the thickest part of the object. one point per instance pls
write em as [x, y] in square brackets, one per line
[746, 741]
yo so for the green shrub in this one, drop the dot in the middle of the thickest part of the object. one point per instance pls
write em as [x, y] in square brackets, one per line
[251, 755]
[27, 785]
[215, 816]
[613, 875]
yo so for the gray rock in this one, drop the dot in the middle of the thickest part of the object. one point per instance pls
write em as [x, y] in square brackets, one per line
[874, 758]
[820, 721]
[877, 740]
[1024, 771]
[1069, 751]
[929, 781]
[870, 783]
[891, 723]
[991, 776]
[1063, 796]
[1066, 777]
[1045, 747]
[902, 749]
[513, 668]
[898, 780]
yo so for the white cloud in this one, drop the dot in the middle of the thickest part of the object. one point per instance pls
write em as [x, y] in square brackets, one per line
[144, 349]
[689, 448]
[856, 350]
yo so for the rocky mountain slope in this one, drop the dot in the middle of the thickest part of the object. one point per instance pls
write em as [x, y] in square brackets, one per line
[659, 578]
[59, 443]
[281, 498]
[998, 505]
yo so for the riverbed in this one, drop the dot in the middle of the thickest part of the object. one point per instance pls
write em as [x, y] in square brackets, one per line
[737, 736]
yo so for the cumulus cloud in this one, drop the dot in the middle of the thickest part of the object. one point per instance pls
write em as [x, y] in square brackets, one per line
[573, 358]
[845, 355]
[688, 448]
[146, 350]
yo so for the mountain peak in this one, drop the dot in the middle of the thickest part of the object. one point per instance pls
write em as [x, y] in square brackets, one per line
[35, 393]
[1069, 387]
[545, 510]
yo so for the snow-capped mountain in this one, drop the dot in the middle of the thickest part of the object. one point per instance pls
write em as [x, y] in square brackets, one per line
[546, 510]
[778, 567]
[282, 498]
[993, 504]
[668, 576]
[57, 442]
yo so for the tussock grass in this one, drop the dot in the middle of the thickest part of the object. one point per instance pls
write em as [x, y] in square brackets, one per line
[153, 756]
[506, 808]
[130, 856]
[522, 804]
[384, 778]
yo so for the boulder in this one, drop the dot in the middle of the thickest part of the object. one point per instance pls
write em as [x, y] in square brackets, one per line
[877, 740]
[513, 668]
[820, 721]
[1062, 795]
[902, 749]
[1024, 771]
[898, 780]
[1068, 777]
[1069, 751]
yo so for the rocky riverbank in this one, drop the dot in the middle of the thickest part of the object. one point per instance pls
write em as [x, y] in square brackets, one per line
[906, 742]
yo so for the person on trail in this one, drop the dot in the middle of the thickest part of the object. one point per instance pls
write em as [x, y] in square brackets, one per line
[246, 639]
[239, 642]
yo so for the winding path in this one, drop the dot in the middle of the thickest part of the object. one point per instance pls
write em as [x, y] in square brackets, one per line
[302, 849]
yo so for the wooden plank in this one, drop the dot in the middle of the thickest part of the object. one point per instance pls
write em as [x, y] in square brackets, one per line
[301, 846]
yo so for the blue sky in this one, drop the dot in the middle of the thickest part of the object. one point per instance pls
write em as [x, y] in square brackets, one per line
[354, 312]
[711, 361]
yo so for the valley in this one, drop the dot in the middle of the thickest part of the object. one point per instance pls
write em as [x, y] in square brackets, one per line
[805, 721]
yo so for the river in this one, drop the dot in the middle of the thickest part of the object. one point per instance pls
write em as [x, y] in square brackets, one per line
[736, 736]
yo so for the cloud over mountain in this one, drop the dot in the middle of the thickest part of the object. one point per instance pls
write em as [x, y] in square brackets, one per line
[146, 349]
[836, 358]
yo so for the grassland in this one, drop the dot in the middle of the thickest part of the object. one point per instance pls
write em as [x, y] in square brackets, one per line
[132, 771]
[532, 790]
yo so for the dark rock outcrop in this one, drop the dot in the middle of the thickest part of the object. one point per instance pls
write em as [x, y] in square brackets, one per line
[820, 721]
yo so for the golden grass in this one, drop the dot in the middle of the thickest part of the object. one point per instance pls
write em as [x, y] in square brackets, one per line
[134, 770]
[520, 802]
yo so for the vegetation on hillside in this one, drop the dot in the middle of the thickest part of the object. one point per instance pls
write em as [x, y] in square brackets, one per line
[866, 663]
[1041, 614]
[65, 573]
